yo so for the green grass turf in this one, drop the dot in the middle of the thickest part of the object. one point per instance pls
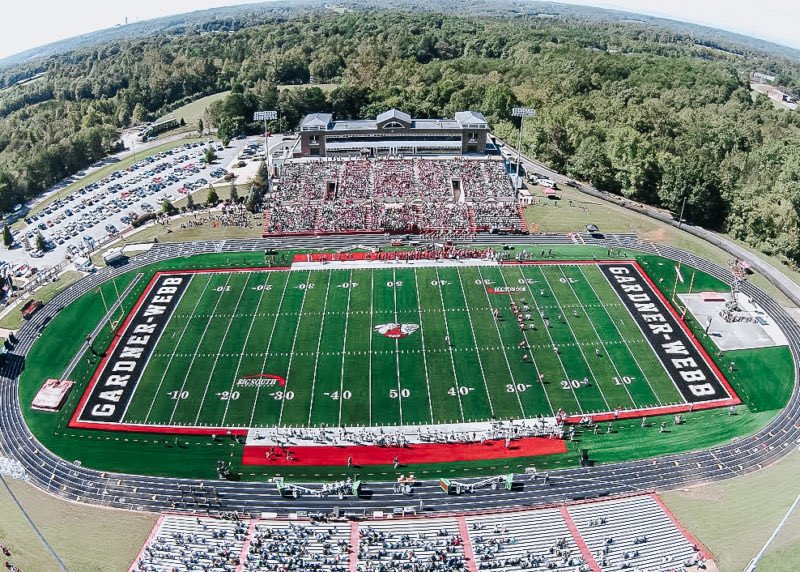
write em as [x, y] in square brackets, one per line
[297, 325]
[197, 456]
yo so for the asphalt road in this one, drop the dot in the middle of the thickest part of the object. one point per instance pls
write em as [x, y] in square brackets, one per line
[138, 492]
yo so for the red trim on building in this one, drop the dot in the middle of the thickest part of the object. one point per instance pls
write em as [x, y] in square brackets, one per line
[133, 567]
[469, 553]
[704, 552]
[576, 536]
[355, 539]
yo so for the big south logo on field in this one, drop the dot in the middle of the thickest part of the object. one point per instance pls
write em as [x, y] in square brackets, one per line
[396, 331]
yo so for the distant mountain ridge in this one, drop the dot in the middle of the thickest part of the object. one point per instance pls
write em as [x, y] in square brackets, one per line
[231, 18]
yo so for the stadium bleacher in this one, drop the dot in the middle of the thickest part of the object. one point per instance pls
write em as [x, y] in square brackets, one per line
[392, 194]
[634, 532]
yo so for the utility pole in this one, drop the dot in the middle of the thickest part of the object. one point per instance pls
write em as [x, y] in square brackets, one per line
[683, 206]
[522, 113]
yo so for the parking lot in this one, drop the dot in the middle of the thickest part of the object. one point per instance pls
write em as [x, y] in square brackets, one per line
[75, 224]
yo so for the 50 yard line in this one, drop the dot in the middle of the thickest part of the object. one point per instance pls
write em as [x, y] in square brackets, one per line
[397, 347]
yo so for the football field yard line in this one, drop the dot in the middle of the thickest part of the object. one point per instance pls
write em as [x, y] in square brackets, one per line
[371, 330]
[344, 346]
[500, 339]
[450, 349]
[174, 350]
[202, 337]
[580, 348]
[539, 380]
[600, 338]
[269, 347]
[397, 347]
[241, 355]
[319, 344]
[291, 352]
[221, 343]
[623, 338]
[424, 356]
[475, 345]
[550, 337]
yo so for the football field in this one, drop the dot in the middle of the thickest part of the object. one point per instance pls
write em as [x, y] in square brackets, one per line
[392, 344]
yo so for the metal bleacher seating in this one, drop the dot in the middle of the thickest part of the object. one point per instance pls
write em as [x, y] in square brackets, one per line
[183, 543]
[410, 544]
[523, 540]
[633, 532]
[303, 545]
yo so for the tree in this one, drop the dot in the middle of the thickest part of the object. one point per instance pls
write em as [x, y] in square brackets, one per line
[41, 243]
[189, 201]
[167, 207]
[8, 239]
[212, 199]
[200, 126]
[140, 113]
[209, 155]
[234, 193]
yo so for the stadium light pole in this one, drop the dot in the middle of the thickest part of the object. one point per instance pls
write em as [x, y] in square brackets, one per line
[265, 116]
[522, 113]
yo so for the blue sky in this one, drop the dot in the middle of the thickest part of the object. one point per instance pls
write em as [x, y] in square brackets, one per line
[52, 20]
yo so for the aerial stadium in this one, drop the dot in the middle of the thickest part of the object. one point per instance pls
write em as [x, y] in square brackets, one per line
[398, 332]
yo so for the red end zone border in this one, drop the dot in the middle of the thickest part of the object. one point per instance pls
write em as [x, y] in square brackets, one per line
[362, 256]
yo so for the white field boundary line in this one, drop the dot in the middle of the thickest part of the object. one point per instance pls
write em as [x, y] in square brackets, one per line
[344, 345]
[580, 349]
[625, 341]
[549, 336]
[174, 349]
[532, 356]
[222, 343]
[294, 341]
[241, 355]
[397, 347]
[500, 339]
[600, 339]
[475, 345]
[450, 350]
[319, 345]
[200, 341]
[424, 352]
[269, 347]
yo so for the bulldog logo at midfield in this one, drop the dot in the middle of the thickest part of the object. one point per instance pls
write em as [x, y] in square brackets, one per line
[396, 331]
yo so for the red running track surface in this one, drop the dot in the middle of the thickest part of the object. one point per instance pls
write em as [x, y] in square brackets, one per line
[413, 454]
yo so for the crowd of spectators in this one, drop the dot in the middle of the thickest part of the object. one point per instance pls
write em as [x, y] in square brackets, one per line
[186, 543]
[391, 194]
[299, 546]
[432, 546]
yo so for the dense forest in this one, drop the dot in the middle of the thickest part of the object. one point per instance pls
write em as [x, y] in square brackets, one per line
[655, 114]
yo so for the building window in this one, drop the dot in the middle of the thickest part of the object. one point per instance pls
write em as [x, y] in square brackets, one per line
[393, 125]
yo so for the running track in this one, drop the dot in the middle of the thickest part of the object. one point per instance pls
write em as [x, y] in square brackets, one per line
[62, 478]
